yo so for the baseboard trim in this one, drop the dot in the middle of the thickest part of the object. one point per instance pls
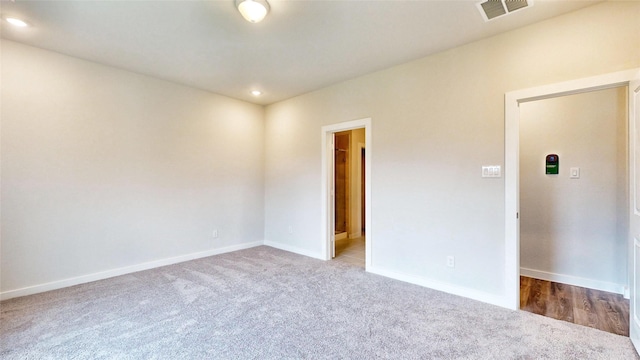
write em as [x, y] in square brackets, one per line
[355, 235]
[574, 280]
[341, 236]
[294, 249]
[59, 284]
[473, 294]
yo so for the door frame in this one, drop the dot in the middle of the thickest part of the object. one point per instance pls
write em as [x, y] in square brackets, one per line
[512, 163]
[362, 148]
[327, 181]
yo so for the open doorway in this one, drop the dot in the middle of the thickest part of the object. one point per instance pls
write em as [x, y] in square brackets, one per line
[349, 161]
[342, 164]
[513, 101]
[574, 208]
[347, 145]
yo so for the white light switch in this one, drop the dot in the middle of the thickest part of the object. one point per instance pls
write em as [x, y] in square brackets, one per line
[491, 171]
[574, 173]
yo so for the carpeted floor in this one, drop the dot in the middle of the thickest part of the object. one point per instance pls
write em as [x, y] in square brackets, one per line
[264, 303]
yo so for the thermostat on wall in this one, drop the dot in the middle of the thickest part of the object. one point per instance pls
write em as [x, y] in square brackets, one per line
[552, 164]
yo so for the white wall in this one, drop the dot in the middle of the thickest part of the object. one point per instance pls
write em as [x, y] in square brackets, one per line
[575, 230]
[104, 169]
[435, 122]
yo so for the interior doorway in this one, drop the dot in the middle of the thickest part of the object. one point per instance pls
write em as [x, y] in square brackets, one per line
[574, 208]
[342, 183]
[345, 191]
[350, 242]
[513, 100]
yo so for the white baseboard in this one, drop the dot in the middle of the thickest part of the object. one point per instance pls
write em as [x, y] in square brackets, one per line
[489, 298]
[355, 235]
[294, 249]
[341, 236]
[574, 280]
[54, 285]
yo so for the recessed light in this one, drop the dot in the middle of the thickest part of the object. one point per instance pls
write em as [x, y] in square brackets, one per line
[256, 92]
[16, 22]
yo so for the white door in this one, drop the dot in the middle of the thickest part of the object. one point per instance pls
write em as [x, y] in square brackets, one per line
[332, 193]
[634, 223]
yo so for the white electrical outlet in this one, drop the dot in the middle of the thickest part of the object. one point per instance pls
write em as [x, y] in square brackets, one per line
[215, 234]
[451, 261]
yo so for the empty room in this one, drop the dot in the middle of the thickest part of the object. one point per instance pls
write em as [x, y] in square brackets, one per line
[251, 179]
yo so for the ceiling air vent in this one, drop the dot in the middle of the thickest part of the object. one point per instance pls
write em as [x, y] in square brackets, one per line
[492, 9]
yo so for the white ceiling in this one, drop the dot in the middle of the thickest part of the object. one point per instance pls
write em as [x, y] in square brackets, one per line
[301, 46]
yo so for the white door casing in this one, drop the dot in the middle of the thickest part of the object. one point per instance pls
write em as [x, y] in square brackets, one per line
[327, 183]
[512, 184]
[331, 150]
[634, 221]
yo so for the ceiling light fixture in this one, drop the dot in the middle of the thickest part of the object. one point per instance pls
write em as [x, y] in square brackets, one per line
[256, 92]
[16, 22]
[253, 10]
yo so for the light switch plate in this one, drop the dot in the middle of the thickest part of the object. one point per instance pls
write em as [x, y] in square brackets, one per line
[493, 171]
[574, 173]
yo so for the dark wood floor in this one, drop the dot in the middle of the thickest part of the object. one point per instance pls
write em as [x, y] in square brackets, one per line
[597, 309]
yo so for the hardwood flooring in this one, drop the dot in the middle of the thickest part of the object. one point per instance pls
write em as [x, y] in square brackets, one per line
[597, 309]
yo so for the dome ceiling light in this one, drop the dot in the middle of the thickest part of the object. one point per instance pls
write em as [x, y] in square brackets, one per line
[253, 10]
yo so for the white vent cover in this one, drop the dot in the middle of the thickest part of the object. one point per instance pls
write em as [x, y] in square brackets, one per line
[491, 9]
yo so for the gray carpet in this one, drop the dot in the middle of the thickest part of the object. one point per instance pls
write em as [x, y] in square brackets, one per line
[264, 303]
